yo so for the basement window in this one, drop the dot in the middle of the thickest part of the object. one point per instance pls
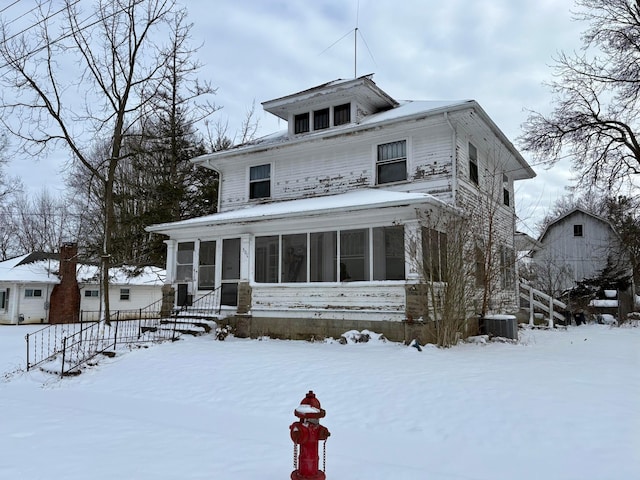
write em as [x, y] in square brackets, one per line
[392, 162]
[32, 292]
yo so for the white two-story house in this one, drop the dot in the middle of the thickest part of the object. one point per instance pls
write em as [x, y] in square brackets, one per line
[315, 224]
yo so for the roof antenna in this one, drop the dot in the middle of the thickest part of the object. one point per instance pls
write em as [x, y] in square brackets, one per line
[355, 42]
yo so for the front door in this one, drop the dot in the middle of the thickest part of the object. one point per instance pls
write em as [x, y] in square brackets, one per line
[230, 272]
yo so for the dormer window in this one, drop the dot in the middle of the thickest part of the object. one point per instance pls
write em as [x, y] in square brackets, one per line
[342, 114]
[321, 119]
[301, 123]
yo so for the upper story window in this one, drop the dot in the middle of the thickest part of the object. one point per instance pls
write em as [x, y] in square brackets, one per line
[473, 164]
[506, 196]
[577, 230]
[342, 114]
[321, 119]
[260, 181]
[392, 162]
[301, 123]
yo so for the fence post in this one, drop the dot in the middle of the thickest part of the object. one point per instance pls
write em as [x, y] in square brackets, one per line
[27, 338]
[64, 351]
[115, 333]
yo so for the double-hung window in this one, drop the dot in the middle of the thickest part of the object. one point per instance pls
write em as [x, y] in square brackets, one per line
[207, 265]
[260, 181]
[125, 294]
[392, 162]
[473, 164]
[184, 262]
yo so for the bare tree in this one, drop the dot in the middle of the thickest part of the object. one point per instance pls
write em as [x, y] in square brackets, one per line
[596, 118]
[110, 61]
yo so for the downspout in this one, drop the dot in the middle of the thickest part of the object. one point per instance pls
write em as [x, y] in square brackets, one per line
[454, 160]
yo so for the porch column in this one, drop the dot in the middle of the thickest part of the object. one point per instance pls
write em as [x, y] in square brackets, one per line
[172, 246]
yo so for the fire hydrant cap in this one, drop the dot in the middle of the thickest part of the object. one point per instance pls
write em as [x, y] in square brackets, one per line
[309, 407]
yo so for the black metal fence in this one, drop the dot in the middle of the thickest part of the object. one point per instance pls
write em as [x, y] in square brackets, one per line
[67, 346]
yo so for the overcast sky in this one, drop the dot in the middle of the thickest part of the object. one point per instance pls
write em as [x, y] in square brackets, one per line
[497, 52]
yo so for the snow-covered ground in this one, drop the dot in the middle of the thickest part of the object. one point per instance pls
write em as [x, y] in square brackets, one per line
[559, 405]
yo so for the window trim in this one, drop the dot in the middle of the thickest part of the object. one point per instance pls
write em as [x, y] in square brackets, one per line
[391, 161]
[267, 180]
[474, 171]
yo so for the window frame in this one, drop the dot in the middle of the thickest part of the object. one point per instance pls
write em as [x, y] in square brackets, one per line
[32, 293]
[342, 114]
[261, 181]
[301, 123]
[474, 171]
[392, 161]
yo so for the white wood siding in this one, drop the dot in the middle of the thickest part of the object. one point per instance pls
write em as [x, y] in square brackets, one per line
[344, 301]
[330, 166]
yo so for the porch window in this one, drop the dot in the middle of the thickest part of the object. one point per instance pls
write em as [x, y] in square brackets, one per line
[301, 123]
[260, 181]
[388, 253]
[342, 114]
[184, 262]
[321, 119]
[392, 162]
[91, 293]
[125, 294]
[267, 255]
[294, 258]
[207, 265]
[473, 164]
[323, 256]
[354, 255]
[434, 255]
[32, 292]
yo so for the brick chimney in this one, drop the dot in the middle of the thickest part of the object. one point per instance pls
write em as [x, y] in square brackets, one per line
[65, 297]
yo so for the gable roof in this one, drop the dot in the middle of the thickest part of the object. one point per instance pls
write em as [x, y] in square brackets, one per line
[570, 213]
[32, 268]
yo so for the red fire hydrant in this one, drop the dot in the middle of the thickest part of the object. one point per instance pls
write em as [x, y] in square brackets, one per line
[307, 433]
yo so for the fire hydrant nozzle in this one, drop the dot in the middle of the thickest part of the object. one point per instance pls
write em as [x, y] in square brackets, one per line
[307, 433]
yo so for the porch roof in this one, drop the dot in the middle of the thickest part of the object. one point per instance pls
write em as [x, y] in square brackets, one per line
[357, 200]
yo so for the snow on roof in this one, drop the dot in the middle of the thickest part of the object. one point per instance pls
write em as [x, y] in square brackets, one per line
[364, 198]
[46, 271]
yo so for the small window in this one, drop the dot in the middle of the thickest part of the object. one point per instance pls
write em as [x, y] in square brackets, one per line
[506, 197]
[124, 294]
[392, 162]
[3, 299]
[577, 230]
[91, 293]
[473, 164]
[301, 123]
[342, 114]
[321, 119]
[32, 292]
[260, 181]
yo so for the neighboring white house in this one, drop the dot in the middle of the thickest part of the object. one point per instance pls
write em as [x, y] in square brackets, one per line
[315, 223]
[26, 283]
[576, 246]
